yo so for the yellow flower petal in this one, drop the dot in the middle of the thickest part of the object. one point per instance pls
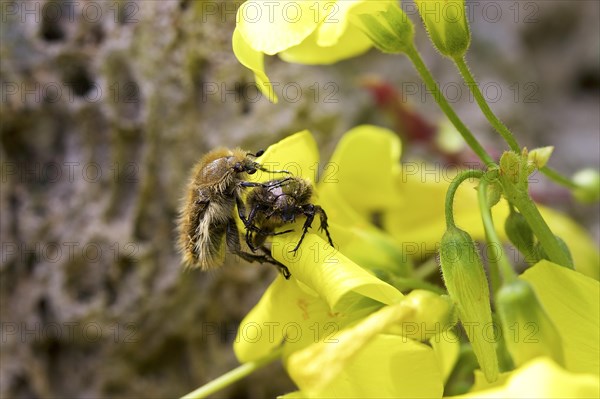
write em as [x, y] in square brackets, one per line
[315, 367]
[482, 384]
[370, 248]
[337, 21]
[351, 44]
[542, 378]
[320, 368]
[253, 60]
[297, 153]
[572, 303]
[328, 272]
[293, 395]
[271, 27]
[446, 347]
[529, 332]
[388, 366]
[287, 312]
[417, 222]
[367, 163]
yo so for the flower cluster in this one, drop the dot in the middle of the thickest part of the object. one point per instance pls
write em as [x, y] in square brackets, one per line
[357, 335]
[360, 319]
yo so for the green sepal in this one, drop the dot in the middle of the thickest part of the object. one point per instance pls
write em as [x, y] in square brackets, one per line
[391, 31]
[493, 193]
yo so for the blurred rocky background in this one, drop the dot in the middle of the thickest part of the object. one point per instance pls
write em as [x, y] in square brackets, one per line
[107, 104]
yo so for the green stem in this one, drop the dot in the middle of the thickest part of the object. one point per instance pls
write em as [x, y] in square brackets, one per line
[500, 263]
[426, 269]
[232, 376]
[558, 178]
[532, 215]
[489, 114]
[501, 127]
[467, 174]
[433, 87]
[405, 284]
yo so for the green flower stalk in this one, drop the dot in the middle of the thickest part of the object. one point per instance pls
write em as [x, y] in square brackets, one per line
[468, 287]
[446, 23]
[528, 331]
[514, 172]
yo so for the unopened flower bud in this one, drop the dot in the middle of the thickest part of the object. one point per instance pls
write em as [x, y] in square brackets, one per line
[520, 235]
[446, 23]
[468, 287]
[539, 157]
[588, 182]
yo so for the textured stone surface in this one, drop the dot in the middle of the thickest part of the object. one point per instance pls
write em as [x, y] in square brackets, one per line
[106, 105]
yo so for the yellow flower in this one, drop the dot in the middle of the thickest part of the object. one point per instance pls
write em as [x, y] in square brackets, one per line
[367, 361]
[327, 290]
[329, 296]
[306, 32]
[334, 299]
